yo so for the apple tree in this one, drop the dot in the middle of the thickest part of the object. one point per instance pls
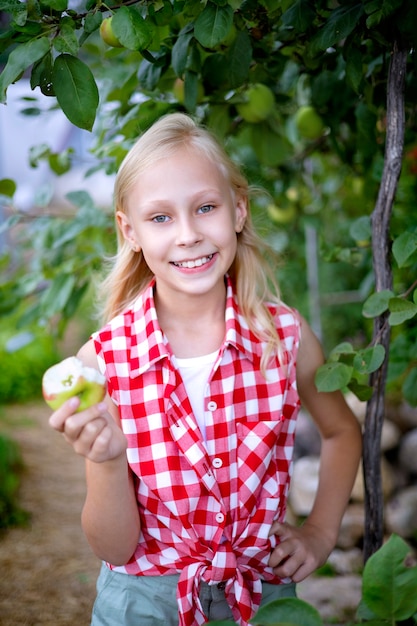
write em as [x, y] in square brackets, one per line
[316, 99]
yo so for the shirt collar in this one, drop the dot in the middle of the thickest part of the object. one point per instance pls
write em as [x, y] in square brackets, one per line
[149, 345]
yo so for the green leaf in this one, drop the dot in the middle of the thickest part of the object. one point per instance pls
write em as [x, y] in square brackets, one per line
[360, 229]
[270, 148]
[299, 16]
[401, 310]
[193, 63]
[161, 12]
[377, 303]
[213, 24]
[410, 387]
[18, 10]
[390, 581]
[66, 40]
[287, 611]
[362, 392]
[369, 360]
[333, 376]
[340, 24]
[56, 297]
[37, 153]
[42, 75]
[131, 29]
[9, 222]
[404, 247]
[379, 10]
[74, 302]
[342, 348]
[354, 65]
[92, 21]
[56, 5]
[238, 60]
[7, 187]
[180, 51]
[76, 90]
[81, 199]
[22, 57]
[190, 90]
[60, 162]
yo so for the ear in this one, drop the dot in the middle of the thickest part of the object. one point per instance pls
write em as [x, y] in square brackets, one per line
[127, 230]
[241, 213]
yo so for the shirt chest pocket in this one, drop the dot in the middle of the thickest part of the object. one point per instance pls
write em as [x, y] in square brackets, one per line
[257, 462]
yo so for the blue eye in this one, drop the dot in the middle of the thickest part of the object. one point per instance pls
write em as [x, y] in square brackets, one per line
[206, 208]
[159, 219]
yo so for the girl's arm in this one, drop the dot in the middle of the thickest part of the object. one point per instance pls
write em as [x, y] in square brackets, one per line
[110, 516]
[302, 550]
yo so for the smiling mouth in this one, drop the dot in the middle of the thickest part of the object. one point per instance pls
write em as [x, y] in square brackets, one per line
[195, 263]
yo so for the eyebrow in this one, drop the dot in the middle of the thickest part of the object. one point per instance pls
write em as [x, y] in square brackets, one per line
[201, 196]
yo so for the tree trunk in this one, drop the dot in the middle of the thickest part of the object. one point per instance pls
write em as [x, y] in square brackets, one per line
[381, 249]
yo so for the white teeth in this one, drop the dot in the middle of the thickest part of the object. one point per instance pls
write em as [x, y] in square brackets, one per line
[197, 263]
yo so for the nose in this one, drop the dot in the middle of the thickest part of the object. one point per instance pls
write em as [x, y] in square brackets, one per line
[188, 233]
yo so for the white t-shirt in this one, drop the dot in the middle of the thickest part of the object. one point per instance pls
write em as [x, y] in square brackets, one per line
[195, 372]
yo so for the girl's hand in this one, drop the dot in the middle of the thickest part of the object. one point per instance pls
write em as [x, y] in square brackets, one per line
[300, 551]
[92, 433]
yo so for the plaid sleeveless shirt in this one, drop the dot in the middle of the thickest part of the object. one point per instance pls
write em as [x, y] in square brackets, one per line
[205, 508]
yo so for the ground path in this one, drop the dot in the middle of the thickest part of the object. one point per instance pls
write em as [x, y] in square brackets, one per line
[47, 571]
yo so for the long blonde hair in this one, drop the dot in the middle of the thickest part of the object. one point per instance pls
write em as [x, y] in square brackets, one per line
[250, 272]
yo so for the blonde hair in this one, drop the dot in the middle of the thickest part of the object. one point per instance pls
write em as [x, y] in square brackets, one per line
[250, 272]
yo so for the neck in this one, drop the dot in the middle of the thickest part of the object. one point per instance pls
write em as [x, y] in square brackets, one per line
[194, 325]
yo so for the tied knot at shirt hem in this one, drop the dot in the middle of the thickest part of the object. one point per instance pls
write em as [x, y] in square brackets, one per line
[243, 593]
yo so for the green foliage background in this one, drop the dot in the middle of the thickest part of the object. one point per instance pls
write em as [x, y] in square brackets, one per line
[329, 57]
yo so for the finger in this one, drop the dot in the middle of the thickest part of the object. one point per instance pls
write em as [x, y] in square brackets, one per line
[290, 566]
[88, 435]
[101, 446]
[280, 554]
[278, 528]
[58, 418]
[75, 423]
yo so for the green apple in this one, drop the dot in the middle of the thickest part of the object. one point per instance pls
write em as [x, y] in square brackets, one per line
[279, 215]
[70, 378]
[258, 105]
[309, 123]
[107, 33]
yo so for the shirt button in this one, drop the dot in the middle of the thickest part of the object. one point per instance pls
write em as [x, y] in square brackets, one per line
[212, 406]
[217, 462]
[219, 518]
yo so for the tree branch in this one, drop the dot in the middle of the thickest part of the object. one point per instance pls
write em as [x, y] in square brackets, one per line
[381, 249]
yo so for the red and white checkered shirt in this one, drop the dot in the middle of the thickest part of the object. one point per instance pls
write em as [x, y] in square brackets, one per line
[206, 508]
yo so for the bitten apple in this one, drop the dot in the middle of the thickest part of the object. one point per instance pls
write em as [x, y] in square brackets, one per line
[70, 378]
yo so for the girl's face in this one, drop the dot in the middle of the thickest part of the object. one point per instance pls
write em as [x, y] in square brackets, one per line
[184, 216]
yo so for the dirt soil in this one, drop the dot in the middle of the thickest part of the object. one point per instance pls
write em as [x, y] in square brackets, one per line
[47, 570]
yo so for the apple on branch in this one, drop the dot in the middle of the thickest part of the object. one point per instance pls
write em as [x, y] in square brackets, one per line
[309, 123]
[70, 378]
[107, 33]
[258, 104]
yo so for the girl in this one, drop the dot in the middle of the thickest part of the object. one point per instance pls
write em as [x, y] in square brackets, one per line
[188, 461]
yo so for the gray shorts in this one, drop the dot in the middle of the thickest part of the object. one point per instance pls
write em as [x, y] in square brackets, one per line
[124, 600]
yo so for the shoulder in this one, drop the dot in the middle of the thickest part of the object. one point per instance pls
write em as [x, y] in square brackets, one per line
[310, 358]
[88, 355]
[287, 320]
[310, 353]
